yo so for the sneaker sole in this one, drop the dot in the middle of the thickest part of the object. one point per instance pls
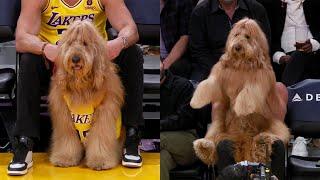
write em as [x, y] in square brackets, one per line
[131, 164]
[20, 173]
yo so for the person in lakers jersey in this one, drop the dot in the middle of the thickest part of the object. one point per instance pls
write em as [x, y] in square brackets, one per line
[39, 29]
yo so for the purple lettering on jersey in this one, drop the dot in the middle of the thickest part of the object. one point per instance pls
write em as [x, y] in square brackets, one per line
[84, 17]
[91, 17]
[51, 19]
[56, 20]
[66, 20]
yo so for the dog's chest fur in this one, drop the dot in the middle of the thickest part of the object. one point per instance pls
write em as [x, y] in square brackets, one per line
[233, 82]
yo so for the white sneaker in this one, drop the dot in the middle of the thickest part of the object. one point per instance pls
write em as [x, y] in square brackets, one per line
[300, 147]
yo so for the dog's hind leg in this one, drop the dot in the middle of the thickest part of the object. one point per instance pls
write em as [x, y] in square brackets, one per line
[205, 148]
[261, 147]
[66, 148]
[103, 149]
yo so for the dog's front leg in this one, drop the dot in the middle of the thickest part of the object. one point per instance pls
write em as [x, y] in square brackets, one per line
[206, 92]
[251, 99]
[103, 149]
[66, 148]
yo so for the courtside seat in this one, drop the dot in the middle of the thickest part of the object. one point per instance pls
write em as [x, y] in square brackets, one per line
[304, 166]
[7, 79]
[9, 12]
[303, 118]
[147, 17]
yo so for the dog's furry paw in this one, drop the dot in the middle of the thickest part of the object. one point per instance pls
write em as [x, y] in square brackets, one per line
[262, 147]
[100, 163]
[243, 107]
[196, 103]
[204, 149]
[64, 161]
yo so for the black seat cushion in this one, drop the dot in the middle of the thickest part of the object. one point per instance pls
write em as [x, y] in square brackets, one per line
[7, 79]
[304, 166]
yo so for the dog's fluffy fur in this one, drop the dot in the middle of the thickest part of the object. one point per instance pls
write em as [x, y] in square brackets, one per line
[93, 80]
[239, 85]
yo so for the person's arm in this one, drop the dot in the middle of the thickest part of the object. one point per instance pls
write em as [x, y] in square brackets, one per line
[184, 12]
[120, 19]
[183, 118]
[263, 20]
[202, 55]
[28, 28]
[177, 51]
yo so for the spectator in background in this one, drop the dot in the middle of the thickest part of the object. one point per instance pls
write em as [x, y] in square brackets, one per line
[209, 27]
[287, 15]
[177, 123]
[302, 64]
[174, 20]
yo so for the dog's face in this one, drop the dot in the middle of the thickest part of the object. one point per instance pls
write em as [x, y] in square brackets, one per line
[81, 49]
[247, 41]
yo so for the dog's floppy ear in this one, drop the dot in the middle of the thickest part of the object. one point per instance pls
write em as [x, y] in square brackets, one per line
[100, 62]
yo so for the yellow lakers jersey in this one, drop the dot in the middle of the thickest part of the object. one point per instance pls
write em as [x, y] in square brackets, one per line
[58, 15]
[82, 117]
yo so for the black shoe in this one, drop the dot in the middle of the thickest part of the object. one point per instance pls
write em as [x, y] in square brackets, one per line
[22, 157]
[131, 153]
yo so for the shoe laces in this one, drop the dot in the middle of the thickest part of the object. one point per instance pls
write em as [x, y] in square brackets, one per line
[300, 141]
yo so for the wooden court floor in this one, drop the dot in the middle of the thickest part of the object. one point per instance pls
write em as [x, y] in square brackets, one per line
[43, 170]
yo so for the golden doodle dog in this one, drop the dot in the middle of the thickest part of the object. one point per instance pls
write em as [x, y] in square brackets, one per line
[239, 85]
[85, 100]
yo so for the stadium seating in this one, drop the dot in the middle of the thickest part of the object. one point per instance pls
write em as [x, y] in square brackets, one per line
[303, 119]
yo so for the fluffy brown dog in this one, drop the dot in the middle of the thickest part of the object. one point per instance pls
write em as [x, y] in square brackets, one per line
[239, 85]
[85, 76]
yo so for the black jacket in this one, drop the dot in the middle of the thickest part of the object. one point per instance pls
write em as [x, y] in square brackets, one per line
[278, 15]
[209, 28]
[175, 111]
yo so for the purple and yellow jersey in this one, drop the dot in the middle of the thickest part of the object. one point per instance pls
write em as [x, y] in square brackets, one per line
[82, 117]
[57, 16]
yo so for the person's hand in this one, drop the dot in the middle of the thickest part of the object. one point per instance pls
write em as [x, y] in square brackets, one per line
[285, 59]
[307, 46]
[114, 47]
[51, 52]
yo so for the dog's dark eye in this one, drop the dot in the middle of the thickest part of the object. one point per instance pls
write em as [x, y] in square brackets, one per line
[247, 36]
[236, 35]
[84, 43]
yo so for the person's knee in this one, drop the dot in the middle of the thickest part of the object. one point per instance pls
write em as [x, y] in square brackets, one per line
[278, 147]
[135, 53]
[225, 146]
[299, 56]
[28, 61]
[282, 89]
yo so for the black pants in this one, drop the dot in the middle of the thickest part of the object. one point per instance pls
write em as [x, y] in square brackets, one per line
[34, 80]
[225, 157]
[302, 66]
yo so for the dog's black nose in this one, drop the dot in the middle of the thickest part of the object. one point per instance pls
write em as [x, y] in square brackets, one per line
[237, 47]
[75, 59]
